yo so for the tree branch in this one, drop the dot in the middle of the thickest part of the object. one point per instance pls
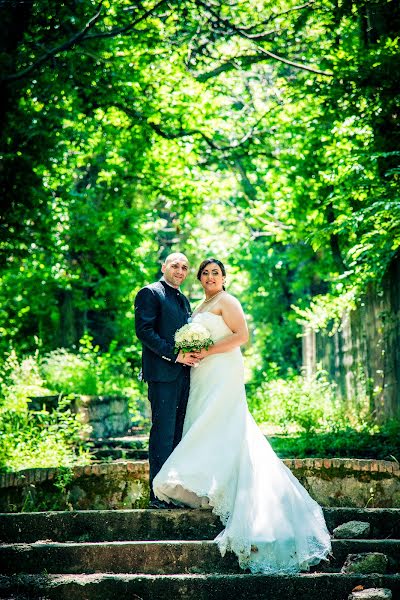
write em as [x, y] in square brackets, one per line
[181, 132]
[79, 38]
[275, 16]
[244, 60]
[238, 31]
[243, 218]
[251, 194]
[289, 10]
[50, 53]
[265, 34]
[127, 28]
[168, 135]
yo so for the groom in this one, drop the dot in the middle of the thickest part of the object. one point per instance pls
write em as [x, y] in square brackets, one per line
[161, 309]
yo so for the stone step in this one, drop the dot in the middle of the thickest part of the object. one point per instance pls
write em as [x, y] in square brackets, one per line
[109, 525]
[102, 586]
[127, 442]
[121, 525]
[130, 447]
[117, 453]
[167, 557]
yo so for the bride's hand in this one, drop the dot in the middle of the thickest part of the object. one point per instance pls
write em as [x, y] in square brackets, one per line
[202, 354]
[189, 359]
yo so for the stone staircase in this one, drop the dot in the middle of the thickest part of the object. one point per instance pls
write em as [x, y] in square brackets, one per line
[128, 447]
[169, 554]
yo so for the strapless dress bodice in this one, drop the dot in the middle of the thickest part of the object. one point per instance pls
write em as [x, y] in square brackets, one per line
[214, 323]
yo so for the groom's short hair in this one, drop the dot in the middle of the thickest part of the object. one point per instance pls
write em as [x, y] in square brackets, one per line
[175, 256]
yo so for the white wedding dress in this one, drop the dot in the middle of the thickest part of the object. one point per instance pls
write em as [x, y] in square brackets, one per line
[224, 461]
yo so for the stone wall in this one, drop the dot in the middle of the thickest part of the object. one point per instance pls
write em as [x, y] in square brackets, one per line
[119, 485]
[107, 416]
[363, 355]
[98, 486]
[357, 483]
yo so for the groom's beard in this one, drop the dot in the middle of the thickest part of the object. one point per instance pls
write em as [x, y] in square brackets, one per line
[174, 280]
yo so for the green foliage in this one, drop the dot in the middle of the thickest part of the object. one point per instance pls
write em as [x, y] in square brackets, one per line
[303, 417]
[88, 372]
[366, 441]
[20, 379]
[327, 310]
[35, 438]
[299, 403]
[174, 127]
[38, 438]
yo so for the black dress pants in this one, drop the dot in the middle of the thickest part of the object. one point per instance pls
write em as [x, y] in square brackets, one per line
[168, 408]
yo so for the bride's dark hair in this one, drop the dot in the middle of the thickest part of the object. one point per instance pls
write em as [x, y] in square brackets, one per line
[208, 261]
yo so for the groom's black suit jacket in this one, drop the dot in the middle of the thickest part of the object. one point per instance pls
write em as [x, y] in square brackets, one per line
[159, 311]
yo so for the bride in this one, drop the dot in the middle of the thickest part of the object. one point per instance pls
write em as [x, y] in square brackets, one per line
[223, 460]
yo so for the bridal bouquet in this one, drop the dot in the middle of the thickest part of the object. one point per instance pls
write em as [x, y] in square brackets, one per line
[192, 337]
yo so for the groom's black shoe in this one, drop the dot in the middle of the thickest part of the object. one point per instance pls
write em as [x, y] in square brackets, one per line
[159, 504]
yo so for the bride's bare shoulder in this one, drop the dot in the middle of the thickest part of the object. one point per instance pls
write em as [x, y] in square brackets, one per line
[229, 301]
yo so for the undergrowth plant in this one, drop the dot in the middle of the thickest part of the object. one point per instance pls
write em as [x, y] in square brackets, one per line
[300, 403]
[43, 438]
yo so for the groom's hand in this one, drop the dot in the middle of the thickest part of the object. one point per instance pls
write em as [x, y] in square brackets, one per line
[189, 358]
